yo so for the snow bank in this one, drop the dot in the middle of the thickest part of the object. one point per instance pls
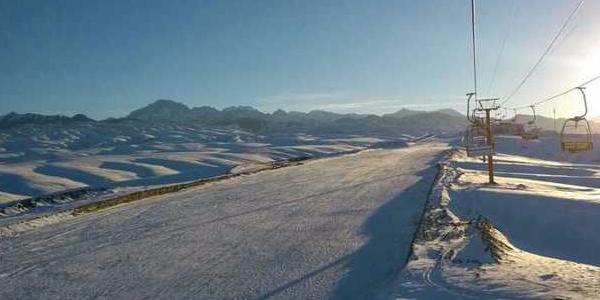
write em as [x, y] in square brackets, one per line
[480, 241]
[551, 215]
[547, 147]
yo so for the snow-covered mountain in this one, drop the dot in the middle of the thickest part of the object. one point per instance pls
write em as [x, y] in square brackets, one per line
[250, 119]
[316, 121]
[14, 119]
[162, 110]
[407, 113]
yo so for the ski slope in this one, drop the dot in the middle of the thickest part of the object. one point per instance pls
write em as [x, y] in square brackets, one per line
[333, 228]
[533, 235]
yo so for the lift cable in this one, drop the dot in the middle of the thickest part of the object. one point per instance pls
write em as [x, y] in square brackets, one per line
[560, 94]
[474, 43]
[502, 47]
[545, 54]
[566, 36]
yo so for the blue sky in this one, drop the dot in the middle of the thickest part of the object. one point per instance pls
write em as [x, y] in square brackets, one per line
[106, 58]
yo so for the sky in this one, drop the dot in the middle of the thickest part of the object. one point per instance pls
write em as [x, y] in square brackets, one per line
[107, 58]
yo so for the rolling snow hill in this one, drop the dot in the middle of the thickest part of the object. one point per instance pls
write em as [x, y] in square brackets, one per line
[167, 142]
[37, 160]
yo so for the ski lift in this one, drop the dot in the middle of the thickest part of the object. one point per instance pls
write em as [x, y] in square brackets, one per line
[530, 130]
[517, 128]
[506, 125]
[576, 135]
[500, 118]
[477, 117]
[505, 116]
[476, 139]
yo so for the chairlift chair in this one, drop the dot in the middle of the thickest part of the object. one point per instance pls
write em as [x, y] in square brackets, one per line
[576, 134]
[506, 125]
[476, 139]
[530, 129]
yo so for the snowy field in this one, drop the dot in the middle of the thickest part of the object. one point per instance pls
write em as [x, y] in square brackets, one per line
[360, 226]
[333, 228]
[38, 160]
[534, 235]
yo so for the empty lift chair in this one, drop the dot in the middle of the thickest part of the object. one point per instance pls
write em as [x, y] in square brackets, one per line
[576, 135]
[476, 140]
[530, 129]
[508, 125]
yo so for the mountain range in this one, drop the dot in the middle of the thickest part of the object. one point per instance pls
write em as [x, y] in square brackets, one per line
[13, 119]
[250, 119]
[317, 121]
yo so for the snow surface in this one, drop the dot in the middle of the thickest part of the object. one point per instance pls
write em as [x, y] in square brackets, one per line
[542, 241]
[37, 161]
[334, 228]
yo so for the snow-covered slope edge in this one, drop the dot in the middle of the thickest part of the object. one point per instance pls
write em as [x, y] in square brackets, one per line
[471, 259]
[107, 200]
[31, 213]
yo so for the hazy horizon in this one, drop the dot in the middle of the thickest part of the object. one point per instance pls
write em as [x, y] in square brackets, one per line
[411, 108]
[225, 107]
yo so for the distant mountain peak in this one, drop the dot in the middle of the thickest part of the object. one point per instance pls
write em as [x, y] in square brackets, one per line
[158, 101]
[405, 112]
[451, 112]
[279, 113]
[241, 108]
[14, 119]
[161, 110]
